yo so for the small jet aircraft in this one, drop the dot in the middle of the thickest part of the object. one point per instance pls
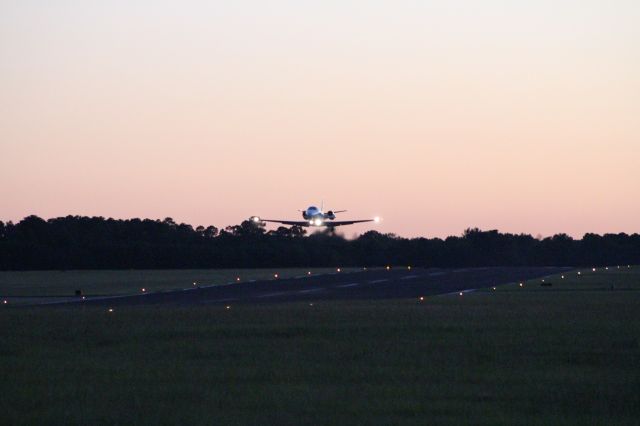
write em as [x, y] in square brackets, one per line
[315, 217]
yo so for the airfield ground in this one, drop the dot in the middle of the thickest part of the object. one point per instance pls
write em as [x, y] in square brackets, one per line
[568, 353]
[118, 282]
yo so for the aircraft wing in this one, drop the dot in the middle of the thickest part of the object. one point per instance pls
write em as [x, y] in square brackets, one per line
[335, 223]
[327, 223]
[287, 222]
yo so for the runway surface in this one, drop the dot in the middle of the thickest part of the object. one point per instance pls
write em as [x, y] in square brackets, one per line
[369, 284]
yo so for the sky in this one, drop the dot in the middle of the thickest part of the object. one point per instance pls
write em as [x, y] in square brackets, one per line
[435, 115]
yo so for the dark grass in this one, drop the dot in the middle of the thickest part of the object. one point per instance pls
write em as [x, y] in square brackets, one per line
[504, 357]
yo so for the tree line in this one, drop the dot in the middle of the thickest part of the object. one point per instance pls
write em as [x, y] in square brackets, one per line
[78, 242]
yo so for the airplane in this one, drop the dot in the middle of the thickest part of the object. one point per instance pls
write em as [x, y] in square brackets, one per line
[315, 217]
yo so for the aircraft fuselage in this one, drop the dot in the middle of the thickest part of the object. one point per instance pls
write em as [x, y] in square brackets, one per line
[316, 217]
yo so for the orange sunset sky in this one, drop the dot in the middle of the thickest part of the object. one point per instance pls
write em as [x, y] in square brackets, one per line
[436, 115]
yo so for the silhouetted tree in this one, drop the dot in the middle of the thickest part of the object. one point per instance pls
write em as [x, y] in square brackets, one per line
[297, 231]
[95, 242]
[210, 232]
[247, 229]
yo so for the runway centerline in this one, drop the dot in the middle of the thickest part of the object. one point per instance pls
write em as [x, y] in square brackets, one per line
[279, 293]
[347, 285]
[311, 290]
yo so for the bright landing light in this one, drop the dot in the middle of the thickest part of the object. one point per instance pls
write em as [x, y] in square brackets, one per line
[317, 222]
[377, 219]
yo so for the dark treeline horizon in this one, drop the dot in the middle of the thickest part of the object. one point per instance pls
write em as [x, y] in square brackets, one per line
[78, 242]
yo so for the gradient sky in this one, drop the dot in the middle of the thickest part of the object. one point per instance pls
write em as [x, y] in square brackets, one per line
[522, 116]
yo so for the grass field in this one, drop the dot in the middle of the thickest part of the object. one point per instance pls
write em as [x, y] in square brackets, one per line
[96, 282]
[565, 354]
[619, 278]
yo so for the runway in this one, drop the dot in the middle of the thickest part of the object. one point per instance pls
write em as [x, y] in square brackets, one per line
[366, 284]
